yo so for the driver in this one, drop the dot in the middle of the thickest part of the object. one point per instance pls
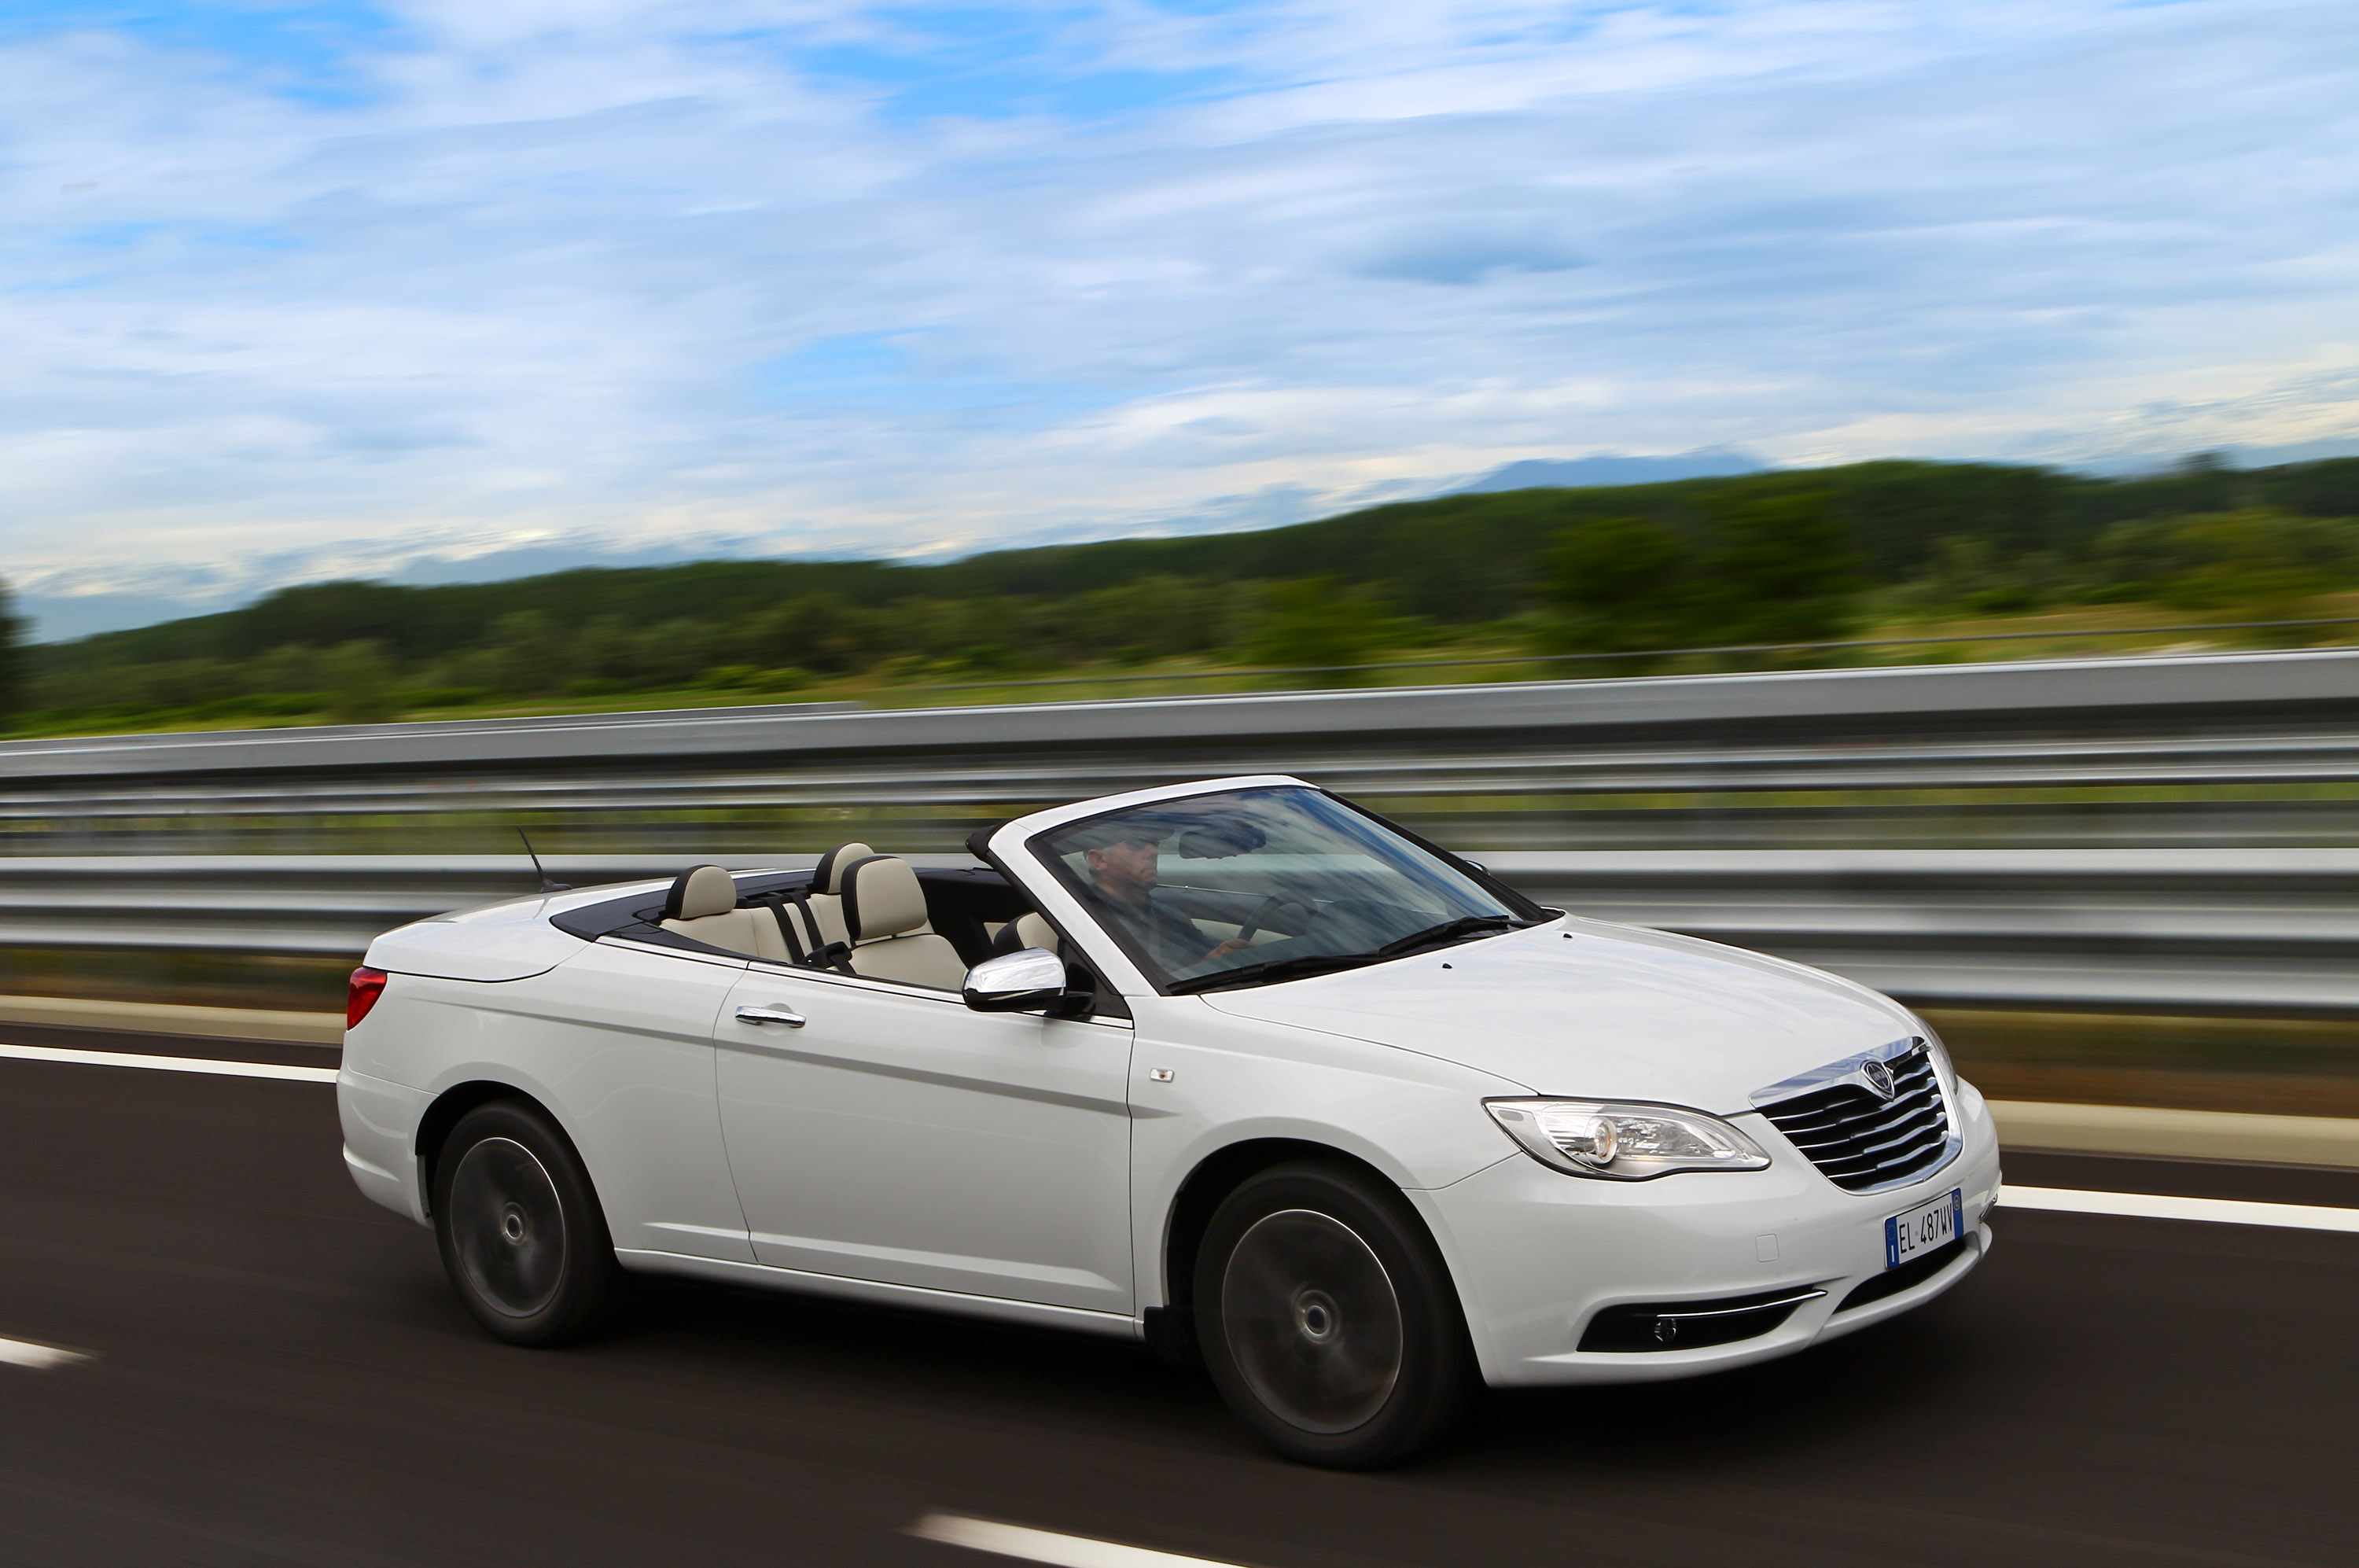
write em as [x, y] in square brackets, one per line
[1123, 873]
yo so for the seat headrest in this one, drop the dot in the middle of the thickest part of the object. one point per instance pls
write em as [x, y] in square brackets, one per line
[1025, 931]
[699, 891]
[1033, 931]
[827, 877]
[881, 898]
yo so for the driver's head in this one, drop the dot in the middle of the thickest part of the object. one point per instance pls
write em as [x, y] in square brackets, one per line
[1124, 866]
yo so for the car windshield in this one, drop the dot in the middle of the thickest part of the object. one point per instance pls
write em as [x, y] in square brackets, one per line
[1249, 887]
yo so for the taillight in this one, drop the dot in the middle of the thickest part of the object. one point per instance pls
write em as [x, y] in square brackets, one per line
[368, 984]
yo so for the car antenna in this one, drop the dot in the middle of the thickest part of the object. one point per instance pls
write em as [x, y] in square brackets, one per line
[546, 885]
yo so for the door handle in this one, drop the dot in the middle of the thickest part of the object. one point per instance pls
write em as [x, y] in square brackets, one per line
[771, 1016]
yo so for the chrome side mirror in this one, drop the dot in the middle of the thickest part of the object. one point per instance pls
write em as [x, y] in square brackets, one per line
[1016, 982]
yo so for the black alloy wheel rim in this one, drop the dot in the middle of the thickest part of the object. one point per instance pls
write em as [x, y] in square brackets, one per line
[509, 1228]
[1312, 1320]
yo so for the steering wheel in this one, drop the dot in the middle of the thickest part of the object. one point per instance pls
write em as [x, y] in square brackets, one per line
[1262, 912]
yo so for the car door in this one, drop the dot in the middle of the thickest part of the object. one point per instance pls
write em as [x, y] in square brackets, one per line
[619, 1039]
[895, 1135]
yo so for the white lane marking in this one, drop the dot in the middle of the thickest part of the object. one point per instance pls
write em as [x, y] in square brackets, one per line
[2150, 1207]
[169, 1063]
[40, 1357]
[1047, 1546]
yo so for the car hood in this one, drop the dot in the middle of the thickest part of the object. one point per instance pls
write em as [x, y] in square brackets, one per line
[1585, 1008]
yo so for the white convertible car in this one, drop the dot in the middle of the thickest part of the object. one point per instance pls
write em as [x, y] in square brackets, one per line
[1236, 1068]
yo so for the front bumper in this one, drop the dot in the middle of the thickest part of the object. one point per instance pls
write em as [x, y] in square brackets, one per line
[1538, 1255]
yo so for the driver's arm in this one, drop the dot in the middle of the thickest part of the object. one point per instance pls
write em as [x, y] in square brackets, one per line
[1177, 927]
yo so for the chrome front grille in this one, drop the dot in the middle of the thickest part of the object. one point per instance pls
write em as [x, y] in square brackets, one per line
[1858, 1138]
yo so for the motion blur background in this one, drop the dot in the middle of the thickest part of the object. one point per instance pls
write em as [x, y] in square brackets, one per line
[425, 364]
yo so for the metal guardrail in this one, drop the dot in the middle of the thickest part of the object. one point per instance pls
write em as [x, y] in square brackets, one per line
[2285, 721]
[2138, 930]
[1622, 657]
[2298, 700]
[289, 905]
[2222, 903]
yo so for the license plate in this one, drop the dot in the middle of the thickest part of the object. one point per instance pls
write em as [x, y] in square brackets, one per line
[1909, 1236]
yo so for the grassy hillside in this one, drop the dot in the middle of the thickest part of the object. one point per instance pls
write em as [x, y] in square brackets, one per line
[1779, 556]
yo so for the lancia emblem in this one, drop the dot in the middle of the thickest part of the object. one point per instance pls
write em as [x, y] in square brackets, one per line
[1879, 1078]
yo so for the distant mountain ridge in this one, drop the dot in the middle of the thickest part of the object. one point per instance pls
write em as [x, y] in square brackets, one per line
[1466, 554]
[1587, 473]
[1458, 560]
[65, 617]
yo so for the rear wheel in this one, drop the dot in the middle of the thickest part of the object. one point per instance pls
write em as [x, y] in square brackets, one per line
[1328, 1320]
[521, 1233]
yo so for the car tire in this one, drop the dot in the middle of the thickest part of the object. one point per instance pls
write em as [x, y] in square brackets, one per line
[520, 1230]
[1328, 1320]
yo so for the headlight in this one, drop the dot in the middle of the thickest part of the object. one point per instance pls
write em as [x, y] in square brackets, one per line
[1624, 1143]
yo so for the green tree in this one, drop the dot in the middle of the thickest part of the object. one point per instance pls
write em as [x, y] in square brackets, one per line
[602, 652]
[1782, 569]
[186, 682]
[532, 655]
[820, 631]
[1621, 584]
[2258, 563]
[1972, 574]
[285, 670]
[2257, 560]
[678, 653]
[1312, 623]
[1152, 617]
[11, 657]
[360, 680]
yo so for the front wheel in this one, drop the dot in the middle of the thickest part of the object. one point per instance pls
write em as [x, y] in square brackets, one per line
[1328, 1320]
[521, 1233]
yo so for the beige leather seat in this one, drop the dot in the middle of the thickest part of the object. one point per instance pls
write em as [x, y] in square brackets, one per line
[1024, 931]
[824, 924]
[884, 909]
[702, 905]
[1033, 931]
[827, 877]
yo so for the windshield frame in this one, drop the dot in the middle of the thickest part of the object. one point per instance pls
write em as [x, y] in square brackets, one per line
[1051, 864]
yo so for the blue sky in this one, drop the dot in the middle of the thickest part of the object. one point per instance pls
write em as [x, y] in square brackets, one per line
[296, 289]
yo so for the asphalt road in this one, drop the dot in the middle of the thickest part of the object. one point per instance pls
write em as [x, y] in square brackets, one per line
[280, 1375]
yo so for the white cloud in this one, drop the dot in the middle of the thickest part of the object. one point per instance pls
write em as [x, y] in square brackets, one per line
[839, 280]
